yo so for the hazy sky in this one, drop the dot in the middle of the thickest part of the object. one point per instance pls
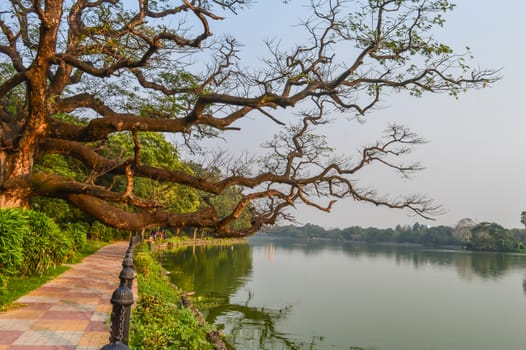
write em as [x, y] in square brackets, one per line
[476, 158]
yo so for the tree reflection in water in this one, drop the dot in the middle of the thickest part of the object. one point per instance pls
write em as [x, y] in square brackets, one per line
[215, 274]
[209, 271]
[488, 265]
[218, 273]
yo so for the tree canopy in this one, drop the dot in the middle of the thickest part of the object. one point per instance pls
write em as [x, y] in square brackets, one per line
[133, 69]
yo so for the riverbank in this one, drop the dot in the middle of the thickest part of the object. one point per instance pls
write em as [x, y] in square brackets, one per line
[181, 242]
[164, 317]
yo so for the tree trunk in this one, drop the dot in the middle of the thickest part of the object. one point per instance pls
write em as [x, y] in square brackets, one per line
[14, 190]
[14, 199]
[18, 156]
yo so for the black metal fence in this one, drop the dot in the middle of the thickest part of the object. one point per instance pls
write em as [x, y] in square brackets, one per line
[122, 300]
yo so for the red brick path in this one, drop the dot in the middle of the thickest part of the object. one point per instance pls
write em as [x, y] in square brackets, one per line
[70, 312]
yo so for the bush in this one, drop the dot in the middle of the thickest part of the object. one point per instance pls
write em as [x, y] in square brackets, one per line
[142, 262]
[14, 226]
[31, 242]
[46, 246]
[123, 235]
[100, 232]
[78, 233]
[4, 281]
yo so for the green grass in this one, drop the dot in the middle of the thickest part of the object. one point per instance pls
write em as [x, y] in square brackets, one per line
[19, 286]
[89, 248]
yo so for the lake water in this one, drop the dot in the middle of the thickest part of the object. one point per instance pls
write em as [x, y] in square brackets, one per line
[323, 295]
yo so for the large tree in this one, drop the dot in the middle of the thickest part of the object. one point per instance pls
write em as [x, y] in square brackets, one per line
[154, 66]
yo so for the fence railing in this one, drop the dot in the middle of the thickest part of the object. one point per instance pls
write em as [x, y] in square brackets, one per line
[122, 300]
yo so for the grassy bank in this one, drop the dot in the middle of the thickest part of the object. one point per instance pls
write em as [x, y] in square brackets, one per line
[18, 286]
[159, 321]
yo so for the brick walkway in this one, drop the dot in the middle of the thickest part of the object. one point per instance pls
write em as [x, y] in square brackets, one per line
[70, 312]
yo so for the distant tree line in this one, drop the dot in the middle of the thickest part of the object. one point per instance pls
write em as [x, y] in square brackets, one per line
[466, 234]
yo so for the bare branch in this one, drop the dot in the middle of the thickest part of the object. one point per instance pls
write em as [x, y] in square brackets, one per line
[76, 76]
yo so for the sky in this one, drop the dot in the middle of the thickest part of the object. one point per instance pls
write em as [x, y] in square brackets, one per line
[475, 160]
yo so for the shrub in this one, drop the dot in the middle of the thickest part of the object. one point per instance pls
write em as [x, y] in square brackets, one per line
[13, 228]
[31, 242]
[142, 262]
[4, 281]
[46, 246]
[100, 232]
[124, 235]
[78, 233]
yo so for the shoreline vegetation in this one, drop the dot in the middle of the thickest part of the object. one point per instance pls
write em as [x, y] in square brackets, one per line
[184, 241]
[484, 236]
[165, 317]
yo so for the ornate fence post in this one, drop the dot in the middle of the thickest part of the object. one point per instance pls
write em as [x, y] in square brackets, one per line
[126, 277]
[122, 300]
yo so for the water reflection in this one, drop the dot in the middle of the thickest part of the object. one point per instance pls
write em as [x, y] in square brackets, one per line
[210, 271]
[488, 265]
[251, 327]
[270, 251]
[219, 273]
[215, 273]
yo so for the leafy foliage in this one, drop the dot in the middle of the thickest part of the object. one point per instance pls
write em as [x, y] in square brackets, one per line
[155, 151]
[14, 228]
[159, 322]
[226, 201]
[100, 232]
[31, 243]
[46, 246]
[492, 236]
[59, 210]
[78, 233]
